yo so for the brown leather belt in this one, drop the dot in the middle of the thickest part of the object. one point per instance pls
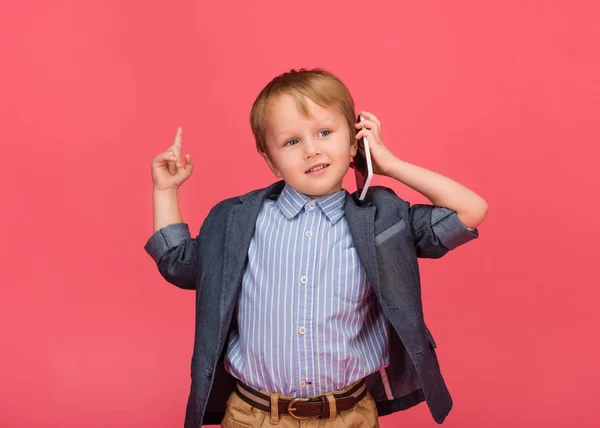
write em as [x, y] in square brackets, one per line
[304, 408]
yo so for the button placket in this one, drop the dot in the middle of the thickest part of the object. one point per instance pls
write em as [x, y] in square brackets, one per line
[309, 223]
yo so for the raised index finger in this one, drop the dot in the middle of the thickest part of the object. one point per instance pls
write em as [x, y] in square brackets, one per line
[177, 143]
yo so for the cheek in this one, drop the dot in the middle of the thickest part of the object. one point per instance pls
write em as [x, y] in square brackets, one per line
[342, 150]
[286, 163]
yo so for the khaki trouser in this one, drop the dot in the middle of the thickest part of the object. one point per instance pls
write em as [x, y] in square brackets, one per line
[240, 414]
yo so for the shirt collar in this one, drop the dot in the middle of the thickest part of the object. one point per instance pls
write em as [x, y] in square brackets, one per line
[291, 202]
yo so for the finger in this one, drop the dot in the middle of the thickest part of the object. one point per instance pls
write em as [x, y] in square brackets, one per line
[366, 124]
[189, 164]
[172, 161]
[173, 157]
[177, 143]
[362, 133]
[185, 170]
[369, 124]
[370, 116]
[163, 158]
[367, 133]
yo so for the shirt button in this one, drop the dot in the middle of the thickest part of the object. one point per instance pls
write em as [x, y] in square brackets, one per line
[302, 383]
[308, 233]
[208, 373]
[302, 330]
[310, 205]
[304, 279]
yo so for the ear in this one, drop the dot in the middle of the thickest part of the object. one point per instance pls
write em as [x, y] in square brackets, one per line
[354, 147]
[271, 164]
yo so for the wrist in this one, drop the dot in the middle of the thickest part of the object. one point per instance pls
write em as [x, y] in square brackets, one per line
[393, 168]
[167, 191]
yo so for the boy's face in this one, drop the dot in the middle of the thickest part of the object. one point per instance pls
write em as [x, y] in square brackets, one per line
[297, 144]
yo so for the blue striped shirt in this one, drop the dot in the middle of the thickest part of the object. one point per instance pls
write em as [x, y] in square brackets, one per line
[308, 321]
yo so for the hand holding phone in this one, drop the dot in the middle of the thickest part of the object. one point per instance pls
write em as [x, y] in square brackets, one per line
[363, 168]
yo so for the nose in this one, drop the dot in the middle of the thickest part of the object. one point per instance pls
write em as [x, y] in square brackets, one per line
[311, 149]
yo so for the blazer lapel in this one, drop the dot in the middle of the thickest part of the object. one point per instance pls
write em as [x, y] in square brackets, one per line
[239, 232]
[361, 222]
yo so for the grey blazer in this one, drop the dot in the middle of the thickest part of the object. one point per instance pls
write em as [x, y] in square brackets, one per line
[389, 235]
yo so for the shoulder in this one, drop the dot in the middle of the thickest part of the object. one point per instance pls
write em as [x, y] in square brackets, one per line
[222, 208]
[382, 192]
[381, 196]
[386, 205]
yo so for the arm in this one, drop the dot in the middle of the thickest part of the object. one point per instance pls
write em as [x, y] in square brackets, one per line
[166, 208]
[171, 246]
[453, 218]
[456, 212]
[470, 208]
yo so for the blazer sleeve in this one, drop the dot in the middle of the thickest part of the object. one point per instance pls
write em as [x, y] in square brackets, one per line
[175, 253]
[437, 230]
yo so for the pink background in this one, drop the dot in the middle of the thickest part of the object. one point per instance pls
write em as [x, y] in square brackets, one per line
[503, 97]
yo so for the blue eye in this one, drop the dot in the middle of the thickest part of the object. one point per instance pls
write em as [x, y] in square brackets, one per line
[326, 130]
[289, 143]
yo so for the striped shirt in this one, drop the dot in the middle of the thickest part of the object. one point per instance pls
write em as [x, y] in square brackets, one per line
[308, 321]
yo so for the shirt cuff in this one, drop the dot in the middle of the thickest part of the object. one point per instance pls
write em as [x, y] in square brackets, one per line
[449, 229]
[166, 238]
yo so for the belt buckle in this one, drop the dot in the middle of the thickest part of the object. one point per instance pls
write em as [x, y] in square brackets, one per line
[290, 409]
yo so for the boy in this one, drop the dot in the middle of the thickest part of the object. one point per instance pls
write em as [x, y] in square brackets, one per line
[308, 303]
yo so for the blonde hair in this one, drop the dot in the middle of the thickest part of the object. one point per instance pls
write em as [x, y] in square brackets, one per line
[321, 86]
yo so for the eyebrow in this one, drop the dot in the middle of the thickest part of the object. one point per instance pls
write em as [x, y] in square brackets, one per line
[318, 122]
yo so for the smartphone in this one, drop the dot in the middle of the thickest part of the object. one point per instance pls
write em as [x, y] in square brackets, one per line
[363, 170]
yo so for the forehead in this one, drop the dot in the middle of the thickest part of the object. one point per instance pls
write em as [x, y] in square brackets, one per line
[284, 112]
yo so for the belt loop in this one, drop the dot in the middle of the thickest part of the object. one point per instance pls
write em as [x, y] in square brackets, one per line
[274, 409]
[332, 407]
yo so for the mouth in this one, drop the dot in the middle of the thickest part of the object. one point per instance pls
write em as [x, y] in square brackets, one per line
[317, 168]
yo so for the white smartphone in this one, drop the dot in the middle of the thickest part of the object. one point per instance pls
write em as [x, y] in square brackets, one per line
[363, 170]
